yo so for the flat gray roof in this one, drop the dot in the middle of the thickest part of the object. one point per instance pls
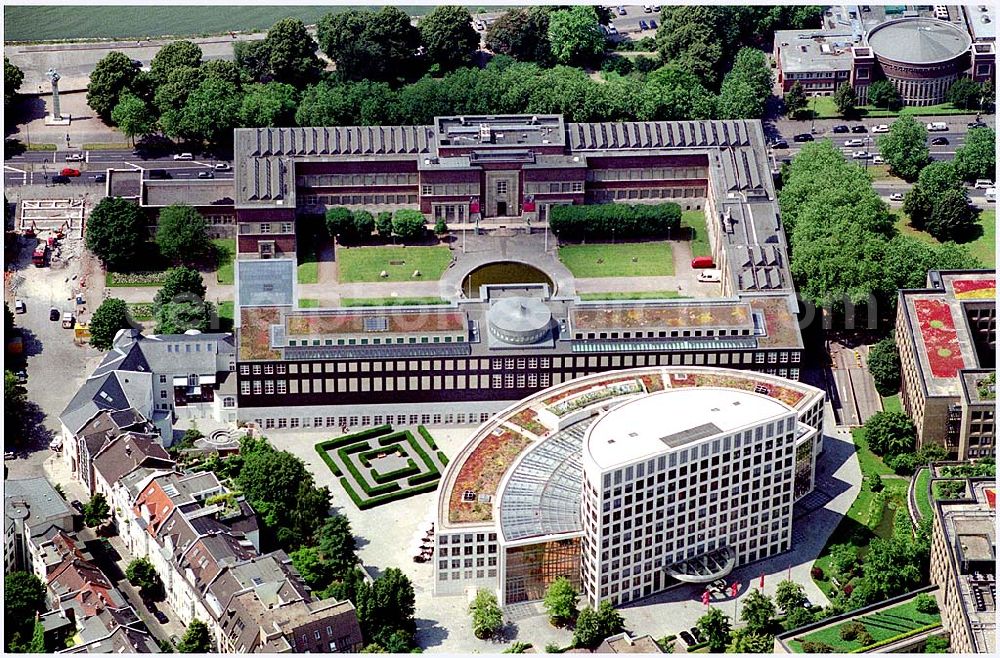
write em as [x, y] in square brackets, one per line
[268, 282]
[919, 40]
[159, 193]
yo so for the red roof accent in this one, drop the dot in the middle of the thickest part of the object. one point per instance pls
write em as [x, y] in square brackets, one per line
[991, 498]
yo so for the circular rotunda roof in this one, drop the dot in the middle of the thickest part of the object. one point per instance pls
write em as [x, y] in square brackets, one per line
[520, 315]
[919, 41]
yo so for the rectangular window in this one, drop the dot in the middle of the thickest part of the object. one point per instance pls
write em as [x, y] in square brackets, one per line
[269, 387]
[501, 187]
[244, 388]
[265, 228]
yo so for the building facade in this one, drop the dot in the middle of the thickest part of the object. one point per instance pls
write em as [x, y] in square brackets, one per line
[963, 565]
[538, 492]
[946, 335]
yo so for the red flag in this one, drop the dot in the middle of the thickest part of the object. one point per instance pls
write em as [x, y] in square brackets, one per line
[734, 589]
[705, 597]
[762, 581]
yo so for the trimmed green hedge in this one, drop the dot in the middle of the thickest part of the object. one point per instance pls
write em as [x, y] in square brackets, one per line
[365, 457]
[423, 477]
[386, 498]
[407, 471]
[328, 460]
[619, 220]
[695, 647]
[370, 491]
[442, 458]
[427, 437]
[901, 636]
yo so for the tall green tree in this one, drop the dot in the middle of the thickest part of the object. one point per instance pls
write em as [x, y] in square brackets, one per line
[746, 641]
[211, 112]
[952, 217]
[575, 35]
[96, 511]
[111, 316]
[904, 147]
[23, 598]
[593, 626]
[196, 638]
[292, 53]
[977, 157]
[253, 59]
[133, 117]
[890, 433]
[15, 400]
[790, 595]
[716, 629]
[884, 94]
[268, 105]
[180, 284]
[521, 33]
[747, 86]
[560, 601]
[369, 45]
[846, 100]
[141, 573]
[113, 75]
[448, 36]
[934, 180]
[12, 79]
[964, 94]
[795, 100]
[673, 94]
[115, 231]
[757, 612]
[694, 38]
[487, 617]
[182, 234]
[884, 365]
[178, 317]
[408, 224]
[173, 56]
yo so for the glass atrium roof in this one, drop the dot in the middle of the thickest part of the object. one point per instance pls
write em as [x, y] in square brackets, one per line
[543, 494]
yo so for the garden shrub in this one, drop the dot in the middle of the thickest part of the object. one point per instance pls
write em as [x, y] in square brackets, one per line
[427, 437]
[851, 630]
[926, 604]
[619, 220]
[816, 647]
[817, 573]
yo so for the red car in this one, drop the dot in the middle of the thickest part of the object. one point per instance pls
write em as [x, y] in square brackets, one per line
[702, 262]
[70, 172]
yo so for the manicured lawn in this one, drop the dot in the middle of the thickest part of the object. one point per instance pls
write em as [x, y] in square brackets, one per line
[892, 403]
[983, 248]
[41, 147]
[308, 303]
[825, 108]
[656, 294]
[361, 264]
[922, 494]
[882, 625]
[105, 146]
[869, 461]
[392, 301]
[226, 249]
[309, 272]
[226, 310]
[587, 261]
[695, 220]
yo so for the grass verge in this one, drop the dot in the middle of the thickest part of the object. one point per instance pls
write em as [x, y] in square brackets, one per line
[653, 294]
[106, 146]
[308, 272]
[882, 625]
[983, 248]
[921, 493]
[695, 220]
[365, 264]
[892, 403]
[225, 248]
[825, 108]
[587, 261]
[308, 303]
[41, 147]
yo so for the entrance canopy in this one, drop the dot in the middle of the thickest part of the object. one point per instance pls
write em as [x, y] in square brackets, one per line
[703, 568]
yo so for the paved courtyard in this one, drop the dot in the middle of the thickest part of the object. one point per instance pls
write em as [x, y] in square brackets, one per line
[443, 622]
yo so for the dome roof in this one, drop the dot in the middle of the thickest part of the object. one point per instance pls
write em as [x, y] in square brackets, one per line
[919, 40]
[520, 315]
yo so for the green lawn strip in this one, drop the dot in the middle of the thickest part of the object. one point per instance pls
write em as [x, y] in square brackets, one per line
[308, 272]
[921, 493]
[41, 147]
[141, 311]
[226, 250]
[308, 303]
[695, 220]
[105, 146]
[984, 248]
[656, 294]
[365, 264]
[825, 108]
[392, 301]
[651, 259]
[891, 403]
[869, 461]
[882, 625]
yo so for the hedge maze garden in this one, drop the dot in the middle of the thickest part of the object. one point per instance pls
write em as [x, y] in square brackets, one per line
[377, 466]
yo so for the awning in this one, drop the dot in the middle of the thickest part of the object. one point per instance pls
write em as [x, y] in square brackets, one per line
[206, 380]
[703, 568]
[180, 381]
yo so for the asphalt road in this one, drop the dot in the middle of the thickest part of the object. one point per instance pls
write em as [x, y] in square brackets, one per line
[36, 167]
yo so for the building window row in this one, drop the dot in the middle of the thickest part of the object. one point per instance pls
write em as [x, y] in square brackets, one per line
[607, 196]
[359, 200]
[355, 180]
[646, 173]
[551, 187]
[453, 189]
[388, 340]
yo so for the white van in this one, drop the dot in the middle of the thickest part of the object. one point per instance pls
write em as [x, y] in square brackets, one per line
[983, 184]
[991, 195]
[937, 127]
[710, 276]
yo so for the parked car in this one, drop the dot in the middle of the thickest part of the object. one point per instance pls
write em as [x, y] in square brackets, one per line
[100, 178]
[652, 24]
[621, 10]
[54, 314]
[878, 159]
[803, 137]
[74, 157]
[77, 505]
[19, 306]
[60, 180]
[183, 156]
[656, 8]
[205, 174]
[854, 142]
[896, 196]
[688, 638]
[710, 276]
[841, 129]
[643, 25]
[222, 166]
[779, 144]
[160, 617]
[696, 633]
[22, 376]
[647, 9]
[859, 129]
[983, 183]
[67, 171]
[978, 123]
[861, 155]
[937, 126]
[702, 262]
[881, 128]
[939, 141]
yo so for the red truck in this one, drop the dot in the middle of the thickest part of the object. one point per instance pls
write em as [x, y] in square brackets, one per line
[40, 257]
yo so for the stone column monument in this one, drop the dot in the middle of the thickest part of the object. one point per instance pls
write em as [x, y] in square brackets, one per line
[56, 118]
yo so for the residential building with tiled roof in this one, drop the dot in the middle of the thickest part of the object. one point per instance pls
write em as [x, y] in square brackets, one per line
[32, 507]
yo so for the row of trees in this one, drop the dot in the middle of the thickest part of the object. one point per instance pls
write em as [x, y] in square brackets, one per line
[759, 614]
[845, 248]
[614, 220]
[358, 225]
[13, 77]
[23, 598]
[892, 436]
